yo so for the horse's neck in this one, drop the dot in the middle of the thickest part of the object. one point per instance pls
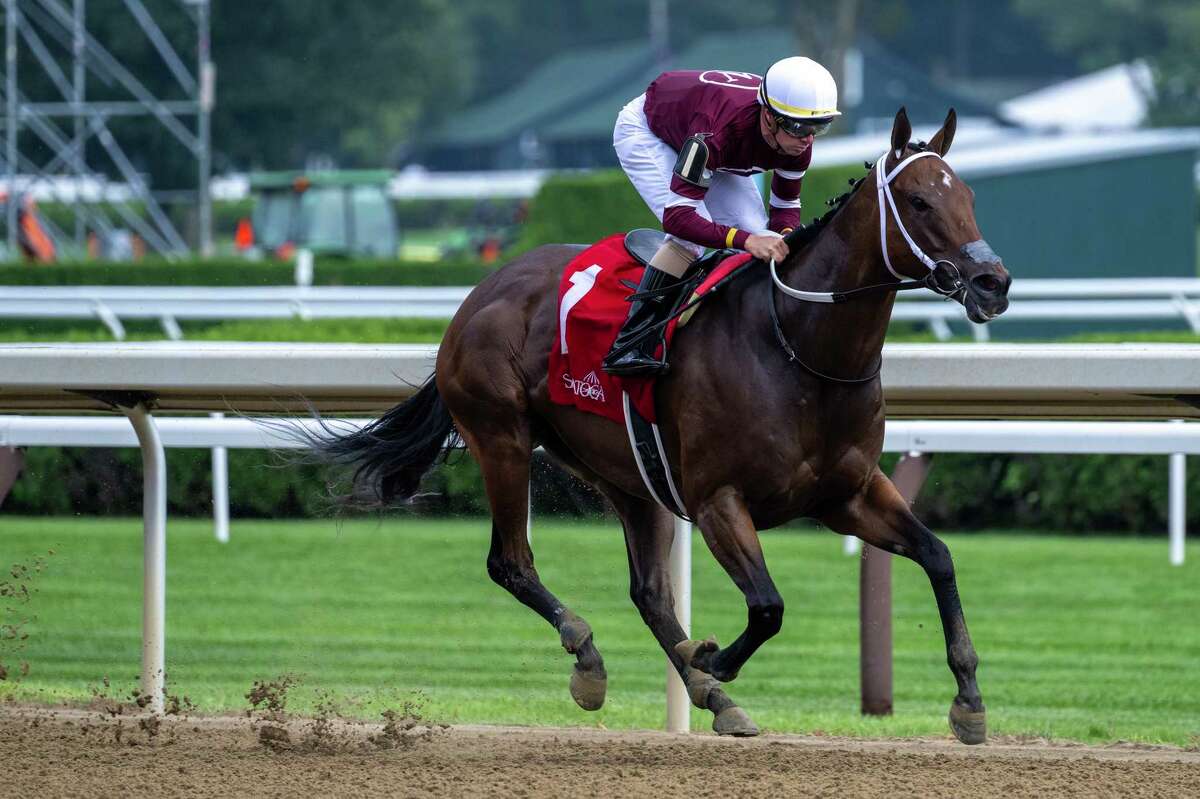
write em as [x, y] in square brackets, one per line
[846, 338]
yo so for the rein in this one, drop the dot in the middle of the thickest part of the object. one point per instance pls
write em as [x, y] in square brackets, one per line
[886, 201]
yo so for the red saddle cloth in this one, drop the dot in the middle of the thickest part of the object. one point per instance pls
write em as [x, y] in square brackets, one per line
[591, 309]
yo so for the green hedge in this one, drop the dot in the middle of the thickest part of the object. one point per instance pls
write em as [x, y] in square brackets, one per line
[1081, 494]
[91, 481]
[588, 206]
[241, 272]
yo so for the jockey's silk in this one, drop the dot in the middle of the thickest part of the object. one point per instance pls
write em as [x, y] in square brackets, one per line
[591, 299]
[724, 105]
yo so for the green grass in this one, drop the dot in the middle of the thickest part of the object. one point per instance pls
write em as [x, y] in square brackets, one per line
[1087, 639]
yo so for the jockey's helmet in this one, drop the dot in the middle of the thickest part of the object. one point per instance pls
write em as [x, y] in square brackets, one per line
[801, 95]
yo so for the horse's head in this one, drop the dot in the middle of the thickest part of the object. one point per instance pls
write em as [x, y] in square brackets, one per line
[923, 198]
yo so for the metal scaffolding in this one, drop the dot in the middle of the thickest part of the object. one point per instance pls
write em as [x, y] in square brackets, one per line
[56, 35]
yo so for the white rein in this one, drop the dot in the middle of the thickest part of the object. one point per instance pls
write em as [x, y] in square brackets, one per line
[883, 187]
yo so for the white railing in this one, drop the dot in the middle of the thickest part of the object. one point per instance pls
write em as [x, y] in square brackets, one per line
[995, 381]
[1067, 299]
[1112, 299]
[221, 432]
[109, 305]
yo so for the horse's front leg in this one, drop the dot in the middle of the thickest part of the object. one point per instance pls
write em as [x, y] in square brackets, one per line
[730, 535]
[882, 517]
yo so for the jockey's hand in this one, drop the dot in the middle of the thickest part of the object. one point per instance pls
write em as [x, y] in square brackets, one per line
[766, 246]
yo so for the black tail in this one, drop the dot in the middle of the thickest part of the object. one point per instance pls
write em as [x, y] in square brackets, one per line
[392, 453]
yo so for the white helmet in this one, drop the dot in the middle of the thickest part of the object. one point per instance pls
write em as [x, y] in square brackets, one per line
[801, 93]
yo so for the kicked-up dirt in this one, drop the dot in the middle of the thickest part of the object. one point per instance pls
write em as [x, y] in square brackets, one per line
[49, 752]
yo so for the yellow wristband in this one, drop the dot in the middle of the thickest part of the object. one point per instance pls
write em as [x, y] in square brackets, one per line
[729, 236]
[786, 231]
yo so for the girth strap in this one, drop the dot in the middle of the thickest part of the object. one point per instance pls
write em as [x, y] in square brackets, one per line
[651, 459]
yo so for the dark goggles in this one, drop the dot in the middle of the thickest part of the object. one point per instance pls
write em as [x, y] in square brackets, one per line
[800, 128]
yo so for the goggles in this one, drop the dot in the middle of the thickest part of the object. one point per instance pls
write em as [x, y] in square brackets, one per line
[800, 128]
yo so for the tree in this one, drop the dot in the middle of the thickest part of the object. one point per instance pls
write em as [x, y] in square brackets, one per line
[349, 80]
[1103, 32]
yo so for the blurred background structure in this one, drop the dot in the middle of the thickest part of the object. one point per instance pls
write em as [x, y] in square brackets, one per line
[472, 105]
[78, 140]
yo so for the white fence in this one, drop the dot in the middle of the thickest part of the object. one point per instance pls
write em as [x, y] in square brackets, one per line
[1112, 299]
[999, 381]
[1061, 300]
[109, 305]
[219, 432]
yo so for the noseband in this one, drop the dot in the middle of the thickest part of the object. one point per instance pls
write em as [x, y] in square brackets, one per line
[953, 288]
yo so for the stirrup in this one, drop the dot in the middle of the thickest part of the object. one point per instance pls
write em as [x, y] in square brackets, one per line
[635, 363]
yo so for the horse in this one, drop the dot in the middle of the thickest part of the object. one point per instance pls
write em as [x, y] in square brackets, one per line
[798, 381]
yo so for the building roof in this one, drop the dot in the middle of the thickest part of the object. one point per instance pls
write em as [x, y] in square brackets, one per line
[1114, 98]
[563, 84]
[576, 96]
[982, 150]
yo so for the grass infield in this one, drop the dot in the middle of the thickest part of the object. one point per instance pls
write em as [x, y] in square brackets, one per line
[1088, 639]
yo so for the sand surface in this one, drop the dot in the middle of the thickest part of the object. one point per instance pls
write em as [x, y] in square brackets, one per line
[125, 753]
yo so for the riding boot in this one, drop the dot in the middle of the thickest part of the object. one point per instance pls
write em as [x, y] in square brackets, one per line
[639, 359]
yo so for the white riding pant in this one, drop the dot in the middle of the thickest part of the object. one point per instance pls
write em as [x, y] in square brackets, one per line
[649, 162]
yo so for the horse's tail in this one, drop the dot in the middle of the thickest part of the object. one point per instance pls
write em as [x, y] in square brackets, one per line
[392, 453]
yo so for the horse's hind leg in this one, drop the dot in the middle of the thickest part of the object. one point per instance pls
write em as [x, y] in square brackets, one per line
[882, 517]
[503, 458]
[649, 531]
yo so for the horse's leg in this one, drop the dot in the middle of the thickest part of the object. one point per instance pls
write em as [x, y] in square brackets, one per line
[882, 517]
[649, 531]
[503, 456]
[730, 534]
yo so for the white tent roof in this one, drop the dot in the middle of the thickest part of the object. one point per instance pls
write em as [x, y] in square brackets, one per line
[1115, 98]
[986, 150]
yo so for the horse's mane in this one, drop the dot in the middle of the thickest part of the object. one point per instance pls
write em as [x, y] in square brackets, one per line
[802, 237]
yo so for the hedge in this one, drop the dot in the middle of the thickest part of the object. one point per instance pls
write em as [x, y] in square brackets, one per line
[586, 207]
[231, 271]
[1081, 494]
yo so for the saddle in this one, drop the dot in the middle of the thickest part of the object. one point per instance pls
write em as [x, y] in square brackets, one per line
[643, 242]
[644, 437]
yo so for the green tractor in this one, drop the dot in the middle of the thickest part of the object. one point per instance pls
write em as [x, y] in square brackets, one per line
[345, 212]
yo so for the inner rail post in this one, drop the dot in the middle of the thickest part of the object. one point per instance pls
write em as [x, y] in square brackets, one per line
[154, 554]
[678, 704]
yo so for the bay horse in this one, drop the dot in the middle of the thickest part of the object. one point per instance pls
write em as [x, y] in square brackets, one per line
[798, 381]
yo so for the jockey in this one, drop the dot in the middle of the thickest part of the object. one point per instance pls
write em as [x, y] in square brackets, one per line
[690, 145]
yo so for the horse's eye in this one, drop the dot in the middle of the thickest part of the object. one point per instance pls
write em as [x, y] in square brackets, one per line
[917, 203]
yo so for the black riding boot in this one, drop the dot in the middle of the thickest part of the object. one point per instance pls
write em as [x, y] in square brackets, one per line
[638, 360]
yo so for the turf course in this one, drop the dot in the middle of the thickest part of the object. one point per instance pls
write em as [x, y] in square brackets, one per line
[1088, 639]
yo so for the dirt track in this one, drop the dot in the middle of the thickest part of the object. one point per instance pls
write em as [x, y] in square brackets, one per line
[88, 753]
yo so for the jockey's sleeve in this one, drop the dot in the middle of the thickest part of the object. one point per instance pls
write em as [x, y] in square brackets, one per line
[785, 200]
[680, 219]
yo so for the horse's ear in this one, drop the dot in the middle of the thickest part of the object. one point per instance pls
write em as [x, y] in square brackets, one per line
[901, 132]
[941, 141]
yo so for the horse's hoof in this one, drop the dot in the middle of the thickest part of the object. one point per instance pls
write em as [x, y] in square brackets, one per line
[734, 721]
[697, 654]
[968, 726]
[588, 688]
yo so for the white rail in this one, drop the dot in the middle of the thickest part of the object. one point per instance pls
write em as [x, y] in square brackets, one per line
[221, 433]
[1035, 299]
[996, 381]
[168, 304]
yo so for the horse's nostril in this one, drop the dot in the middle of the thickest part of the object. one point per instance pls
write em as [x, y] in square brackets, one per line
[987, 284]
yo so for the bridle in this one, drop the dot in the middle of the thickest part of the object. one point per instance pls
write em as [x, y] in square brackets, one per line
[953, 289]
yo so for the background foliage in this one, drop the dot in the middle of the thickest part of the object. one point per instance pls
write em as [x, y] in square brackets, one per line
[357, 82]
[236, 271]
[1077, 494]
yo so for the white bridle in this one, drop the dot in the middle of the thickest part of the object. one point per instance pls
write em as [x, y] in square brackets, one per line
[883, 188]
